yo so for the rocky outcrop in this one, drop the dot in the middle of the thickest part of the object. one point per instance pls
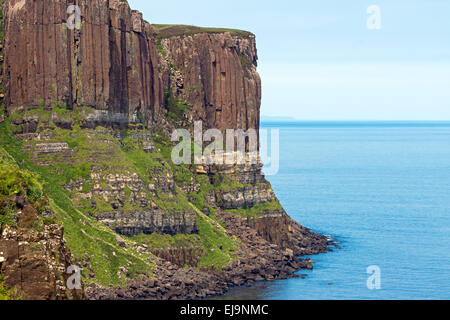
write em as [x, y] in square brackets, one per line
[48, 148]
[249, 188]
[181, 257]
[149, 221]
[34, 259]
[246, 196]
[35, 263]
[130, 209]
[277, 227]
[111, 63]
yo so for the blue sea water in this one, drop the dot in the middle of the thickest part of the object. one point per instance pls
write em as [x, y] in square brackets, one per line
[382, 190]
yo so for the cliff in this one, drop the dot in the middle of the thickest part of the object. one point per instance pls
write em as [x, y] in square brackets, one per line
[110, 64]
[113, 65]
[91, 110]
[214, 70]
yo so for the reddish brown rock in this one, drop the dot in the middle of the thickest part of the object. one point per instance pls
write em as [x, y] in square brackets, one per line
[280, 229]
[110, 64]
[35, 263]
[216, 76]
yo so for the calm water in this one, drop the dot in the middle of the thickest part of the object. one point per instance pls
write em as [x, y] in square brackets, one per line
[383, 192]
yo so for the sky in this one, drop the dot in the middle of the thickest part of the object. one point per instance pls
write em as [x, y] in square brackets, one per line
[319, 60]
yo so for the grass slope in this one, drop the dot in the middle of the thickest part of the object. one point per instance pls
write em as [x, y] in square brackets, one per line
[87, 237]
[84, 235]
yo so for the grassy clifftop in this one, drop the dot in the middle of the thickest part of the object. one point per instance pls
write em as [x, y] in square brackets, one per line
[172, 30]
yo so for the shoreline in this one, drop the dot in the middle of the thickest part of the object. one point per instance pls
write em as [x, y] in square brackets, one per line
[257, 261]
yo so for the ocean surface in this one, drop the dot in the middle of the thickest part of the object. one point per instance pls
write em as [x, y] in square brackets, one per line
[382, 191]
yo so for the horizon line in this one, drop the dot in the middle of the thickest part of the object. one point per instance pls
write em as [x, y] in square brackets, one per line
[287, 119]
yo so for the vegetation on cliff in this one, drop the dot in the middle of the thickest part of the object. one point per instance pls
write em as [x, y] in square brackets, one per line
[176, 30]
[7, 294]
[101, 148]
[84, 234]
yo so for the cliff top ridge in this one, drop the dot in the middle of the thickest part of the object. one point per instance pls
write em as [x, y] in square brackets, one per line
[175, 30]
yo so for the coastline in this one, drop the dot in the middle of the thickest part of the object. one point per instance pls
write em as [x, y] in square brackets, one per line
[258, 261]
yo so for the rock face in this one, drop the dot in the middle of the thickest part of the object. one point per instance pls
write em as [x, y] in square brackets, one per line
[35, 263]
[277, 227]
[111, 63]
[247, 196]
[216, 74]
[149, 221]
[258, 260]
[146, 216]
[48, 148]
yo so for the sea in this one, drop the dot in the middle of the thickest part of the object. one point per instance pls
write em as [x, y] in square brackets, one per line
[381, 190]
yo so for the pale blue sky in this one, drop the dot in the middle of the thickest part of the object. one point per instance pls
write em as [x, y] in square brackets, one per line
[318, 60]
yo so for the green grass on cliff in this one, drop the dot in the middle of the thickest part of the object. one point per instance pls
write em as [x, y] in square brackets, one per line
[87, 237]
[84, 235]
[220, 248]
[173, 30]
[6, 294]
[257, 210]
[166, 241]
[17, 183]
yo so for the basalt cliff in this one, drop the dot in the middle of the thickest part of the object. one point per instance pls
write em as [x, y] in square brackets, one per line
[88, 108]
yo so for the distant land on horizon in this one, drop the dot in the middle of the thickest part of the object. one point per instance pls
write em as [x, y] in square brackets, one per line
[292, 119]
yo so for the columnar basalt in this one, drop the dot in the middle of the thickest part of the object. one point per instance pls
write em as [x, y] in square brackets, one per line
[111, 63]
[216, 74]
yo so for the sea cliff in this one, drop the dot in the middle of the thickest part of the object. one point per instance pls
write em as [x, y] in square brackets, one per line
[88, 112]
